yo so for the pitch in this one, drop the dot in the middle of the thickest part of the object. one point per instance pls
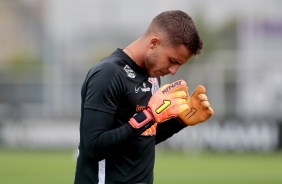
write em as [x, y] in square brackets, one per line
[58, 166]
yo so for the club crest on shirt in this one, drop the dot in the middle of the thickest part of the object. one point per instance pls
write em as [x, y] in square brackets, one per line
[155, 84]
[129, 71]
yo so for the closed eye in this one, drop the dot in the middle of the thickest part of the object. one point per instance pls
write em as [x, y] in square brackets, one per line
[173, 61]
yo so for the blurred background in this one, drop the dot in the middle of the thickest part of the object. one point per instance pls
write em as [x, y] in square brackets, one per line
[48, 46]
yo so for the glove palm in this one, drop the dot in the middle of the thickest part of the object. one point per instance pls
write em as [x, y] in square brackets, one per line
[200, 110]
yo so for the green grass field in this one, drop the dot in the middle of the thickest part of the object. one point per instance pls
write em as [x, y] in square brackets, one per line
[57, 167]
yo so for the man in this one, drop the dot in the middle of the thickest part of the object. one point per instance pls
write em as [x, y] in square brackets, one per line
[124, 114]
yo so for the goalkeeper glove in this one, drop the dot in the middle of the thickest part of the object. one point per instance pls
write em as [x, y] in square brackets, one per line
[169, 101]
[199, 108]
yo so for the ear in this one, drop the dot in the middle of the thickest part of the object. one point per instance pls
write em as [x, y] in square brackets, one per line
[154, 42]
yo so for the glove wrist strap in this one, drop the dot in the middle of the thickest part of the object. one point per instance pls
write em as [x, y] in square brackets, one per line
[141, 121]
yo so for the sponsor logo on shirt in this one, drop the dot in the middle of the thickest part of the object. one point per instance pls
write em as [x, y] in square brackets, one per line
[140, 108]
[137, 89]
[143, 88]
[129, 71]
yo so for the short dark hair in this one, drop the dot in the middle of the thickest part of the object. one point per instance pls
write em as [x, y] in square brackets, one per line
[179, 28]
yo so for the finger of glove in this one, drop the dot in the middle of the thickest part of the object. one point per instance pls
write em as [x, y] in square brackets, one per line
[203, 97]
[208, 109]
[207, 114]
[177, 110]
[185, 89]
[211, 111]
[178, 101]
[205, 104]
[200, 89]
[160, 94]
[175, 86]
[177, 94]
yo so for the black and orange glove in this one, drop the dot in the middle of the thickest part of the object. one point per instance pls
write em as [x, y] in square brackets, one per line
[199, 108]
[168, 102]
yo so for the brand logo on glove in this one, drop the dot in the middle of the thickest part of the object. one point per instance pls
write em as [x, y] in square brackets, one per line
[173, 85]
[191, 113]
[165, 104]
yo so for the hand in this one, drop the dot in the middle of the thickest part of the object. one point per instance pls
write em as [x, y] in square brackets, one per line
[200, 110]
[169, 101]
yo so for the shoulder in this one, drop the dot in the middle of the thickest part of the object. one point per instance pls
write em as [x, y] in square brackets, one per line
[107, 74]
[110, 65]
[107, 67]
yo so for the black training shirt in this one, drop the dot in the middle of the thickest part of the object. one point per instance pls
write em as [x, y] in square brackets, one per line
[111, 151]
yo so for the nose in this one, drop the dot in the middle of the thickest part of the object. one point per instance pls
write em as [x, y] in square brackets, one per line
[173, 69]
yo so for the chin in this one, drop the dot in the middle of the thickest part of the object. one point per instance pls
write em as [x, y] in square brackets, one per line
[155, 75]
[152, 75]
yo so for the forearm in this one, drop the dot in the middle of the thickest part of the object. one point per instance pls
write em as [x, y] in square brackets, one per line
[167, 129]
[98, 136]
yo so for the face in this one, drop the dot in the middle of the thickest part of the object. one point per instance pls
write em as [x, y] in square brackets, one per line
[163, 60]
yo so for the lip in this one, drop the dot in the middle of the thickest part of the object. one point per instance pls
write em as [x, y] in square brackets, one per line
[165, 73]
[162, 73]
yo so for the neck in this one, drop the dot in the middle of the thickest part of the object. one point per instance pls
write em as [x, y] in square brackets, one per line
[131, 54]
[136, 52]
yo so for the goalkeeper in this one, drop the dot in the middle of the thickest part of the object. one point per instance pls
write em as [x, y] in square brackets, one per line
[124, 113]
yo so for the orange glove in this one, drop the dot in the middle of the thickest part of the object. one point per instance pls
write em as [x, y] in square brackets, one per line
[169, 101]
[200, 110]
